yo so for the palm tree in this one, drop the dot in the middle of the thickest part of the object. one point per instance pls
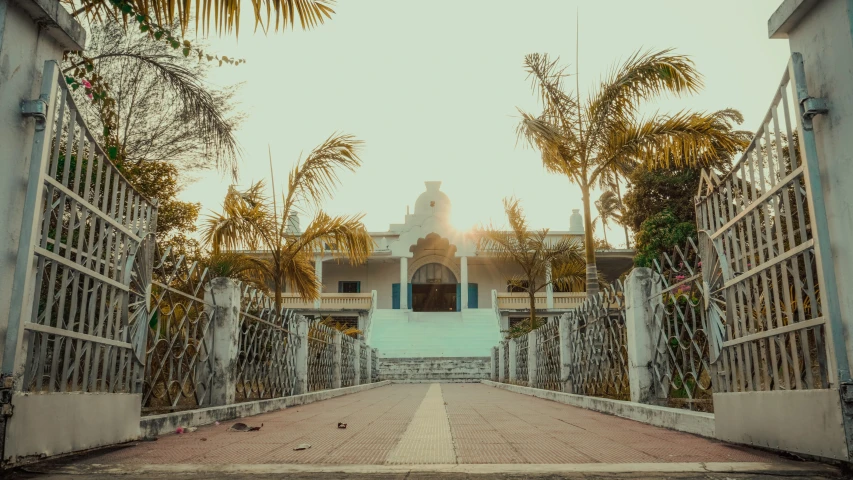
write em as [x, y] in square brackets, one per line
[606, 134]
[222, 15]
[251, 221]
[534, 253]
[609, 208]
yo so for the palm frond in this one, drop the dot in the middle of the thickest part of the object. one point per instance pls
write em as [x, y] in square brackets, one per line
[314, 179]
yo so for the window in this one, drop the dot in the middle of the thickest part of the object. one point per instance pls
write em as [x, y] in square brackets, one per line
[349, 287]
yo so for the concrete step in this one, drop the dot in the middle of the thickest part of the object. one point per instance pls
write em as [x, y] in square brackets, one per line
[442, 369]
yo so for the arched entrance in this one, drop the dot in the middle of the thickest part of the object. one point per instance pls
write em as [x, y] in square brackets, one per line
[434, 289]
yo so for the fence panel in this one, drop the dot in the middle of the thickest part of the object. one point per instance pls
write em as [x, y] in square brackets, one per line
[521, 359]
[266, 365]
[506, 361]
[548, 356]
[681, 367]
[321, 357]
[364, 374]
[347, 361]
[599, 365]
[374, 365]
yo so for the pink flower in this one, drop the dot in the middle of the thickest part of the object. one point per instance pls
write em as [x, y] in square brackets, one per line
[680, 277]
[86, 83]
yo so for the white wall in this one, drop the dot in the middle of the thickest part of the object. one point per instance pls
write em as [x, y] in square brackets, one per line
[376, 275]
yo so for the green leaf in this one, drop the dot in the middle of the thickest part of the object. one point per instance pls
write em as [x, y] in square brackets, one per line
[144, 28]
[158, 35]
[89, 67]
[140, 18]
[75, 86]
[69, 80]
[106, 131]
[112, 151]
[126, 9]
[175, 44]
[186, 52]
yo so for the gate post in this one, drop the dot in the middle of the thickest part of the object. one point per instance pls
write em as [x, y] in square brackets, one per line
[336, 359]
[638, 319]
[224, 293]
[565, 353]
[356, 349]
[300, 386]
[501, 361]
[532, 358]
[369, 368]
[513, 351]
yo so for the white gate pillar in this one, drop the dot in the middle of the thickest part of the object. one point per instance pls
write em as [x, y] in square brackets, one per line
[224, 293]
[513, 360]
[404, 283]
[638, 322]
[463, 290]
[565, 353]
[532, 358]
[301, 355]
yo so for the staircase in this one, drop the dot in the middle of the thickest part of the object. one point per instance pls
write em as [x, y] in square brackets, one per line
[435, 369]
[404, 334]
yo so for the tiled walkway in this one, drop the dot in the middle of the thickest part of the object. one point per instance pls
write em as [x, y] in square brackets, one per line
[432, 424]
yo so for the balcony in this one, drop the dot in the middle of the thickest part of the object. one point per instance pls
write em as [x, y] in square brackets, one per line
[332, 302]
[521, 301]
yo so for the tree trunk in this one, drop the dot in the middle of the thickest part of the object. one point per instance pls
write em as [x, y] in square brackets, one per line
[589, 246]
[532, 294]
[604, 231]
[622, 211]
[277, 293]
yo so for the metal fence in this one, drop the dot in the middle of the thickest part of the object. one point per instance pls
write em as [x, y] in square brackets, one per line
[599, 363]
[506, 360]
[266, 357]
[347, 361]
[178, 358]
[548, 356]
[364, 373]
[374, 365]
[496, 352]
[321, 353]
[761, 241]
[681, 367]
[87, 223]
[521, 359]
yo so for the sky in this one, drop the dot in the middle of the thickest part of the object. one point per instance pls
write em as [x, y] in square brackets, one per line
[433, 88]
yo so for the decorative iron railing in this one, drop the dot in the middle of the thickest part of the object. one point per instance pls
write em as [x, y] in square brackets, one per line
[548, 356]
[83, 226]
[496, 352]
[347, 361]
[678, 330]
[506, 360]
[521, 359]
[178, 358]
[599, 363]
[266, 358]
[321, 351]
[374, 365]
[765, 249]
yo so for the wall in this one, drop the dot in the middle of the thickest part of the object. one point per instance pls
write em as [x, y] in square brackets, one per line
[823, 36]
[490, 274]
[31, 32]
[375, 275]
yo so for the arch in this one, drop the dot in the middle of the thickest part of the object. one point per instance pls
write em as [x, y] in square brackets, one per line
[434, 273]
[421, 261]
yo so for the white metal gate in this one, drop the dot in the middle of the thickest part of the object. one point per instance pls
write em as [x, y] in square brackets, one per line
[69, 350]
[770, 288]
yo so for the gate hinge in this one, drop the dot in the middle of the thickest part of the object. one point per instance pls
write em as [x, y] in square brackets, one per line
[36, 109]
[813, 107]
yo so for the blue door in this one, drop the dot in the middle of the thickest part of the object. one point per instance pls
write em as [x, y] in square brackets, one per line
[395, 296]
[473, 301]
[409, 296]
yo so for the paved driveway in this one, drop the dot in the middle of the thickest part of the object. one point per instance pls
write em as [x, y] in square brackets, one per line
[437, 428]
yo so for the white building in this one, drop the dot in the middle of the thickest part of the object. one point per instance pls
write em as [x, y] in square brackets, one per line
[428, 292]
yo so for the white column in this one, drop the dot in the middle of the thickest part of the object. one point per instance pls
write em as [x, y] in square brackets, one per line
[336, 359]
[318, 273]
[464, 289]
[532, 358]
[501, 365]
[513, 360]
[356, 346]
[404, 283]
[565, 353]
[301, 355]
[549, 288]
[638, 319]
[225, 294]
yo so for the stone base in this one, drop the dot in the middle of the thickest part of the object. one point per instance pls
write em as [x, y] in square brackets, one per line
[435, 369]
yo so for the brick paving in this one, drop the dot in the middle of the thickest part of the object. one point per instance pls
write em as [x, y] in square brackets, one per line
[432, 424]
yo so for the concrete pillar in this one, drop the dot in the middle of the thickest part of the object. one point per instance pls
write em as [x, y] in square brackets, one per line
[225, 332]
[549, 288]
[336, 359]
[318, 273]
[565, 353]
[513, 351]
[638, 319]
[369, 369]
[532, 358]
[404, 283]
[356, 346]
[502, 346]
[300, 342]
[463, 264]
